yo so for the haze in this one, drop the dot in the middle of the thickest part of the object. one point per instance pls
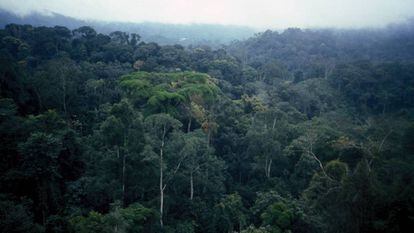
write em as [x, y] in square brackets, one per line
[258, 13]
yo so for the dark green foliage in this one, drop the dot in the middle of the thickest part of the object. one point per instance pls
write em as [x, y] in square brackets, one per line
[16, 216]
[302, 131]
[133, 219]
[230, 213]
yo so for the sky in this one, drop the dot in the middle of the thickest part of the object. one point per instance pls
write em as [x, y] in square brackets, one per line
[259, 14]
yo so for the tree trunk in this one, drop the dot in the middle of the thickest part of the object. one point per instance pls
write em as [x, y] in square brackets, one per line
[161, 178]
[42, 200]
[191, 186]
[189, 125]
[39, 100]
[208, 137]
[123, 179]
[269, 167]
[64, 94]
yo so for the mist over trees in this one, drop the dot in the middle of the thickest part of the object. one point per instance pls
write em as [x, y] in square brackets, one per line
[213, 35]
[293, 131]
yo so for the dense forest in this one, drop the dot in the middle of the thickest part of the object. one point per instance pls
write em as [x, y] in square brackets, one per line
[213, 35]
[286, 132]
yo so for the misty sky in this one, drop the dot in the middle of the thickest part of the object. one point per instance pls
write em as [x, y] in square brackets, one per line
[255, 13]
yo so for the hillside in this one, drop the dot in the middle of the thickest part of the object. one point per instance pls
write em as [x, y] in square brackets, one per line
[300, 131]
[193, 34]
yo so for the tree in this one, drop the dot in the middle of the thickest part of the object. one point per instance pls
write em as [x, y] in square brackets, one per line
[267, 137]
[279, 217]
[123, 131]
[324, 195]
[160, 128]
[64, 76]
[230, 213]
[16, 216]
[132, 219]
[50, 157]
[199, 159]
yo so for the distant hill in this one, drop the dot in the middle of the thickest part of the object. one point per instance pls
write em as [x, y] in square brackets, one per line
[191, 34]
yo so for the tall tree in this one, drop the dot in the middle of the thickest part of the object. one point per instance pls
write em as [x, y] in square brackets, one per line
[160, 129]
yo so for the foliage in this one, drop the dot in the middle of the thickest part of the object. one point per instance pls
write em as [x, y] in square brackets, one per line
[294, 131]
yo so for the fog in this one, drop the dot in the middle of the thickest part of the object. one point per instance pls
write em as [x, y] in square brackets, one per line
[259, 14]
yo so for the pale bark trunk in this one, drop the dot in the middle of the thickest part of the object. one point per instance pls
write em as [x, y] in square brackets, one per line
[125, 154]
[161, 178]
[319, 162]
[189, 125]
[191, 186]
[268, 167]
